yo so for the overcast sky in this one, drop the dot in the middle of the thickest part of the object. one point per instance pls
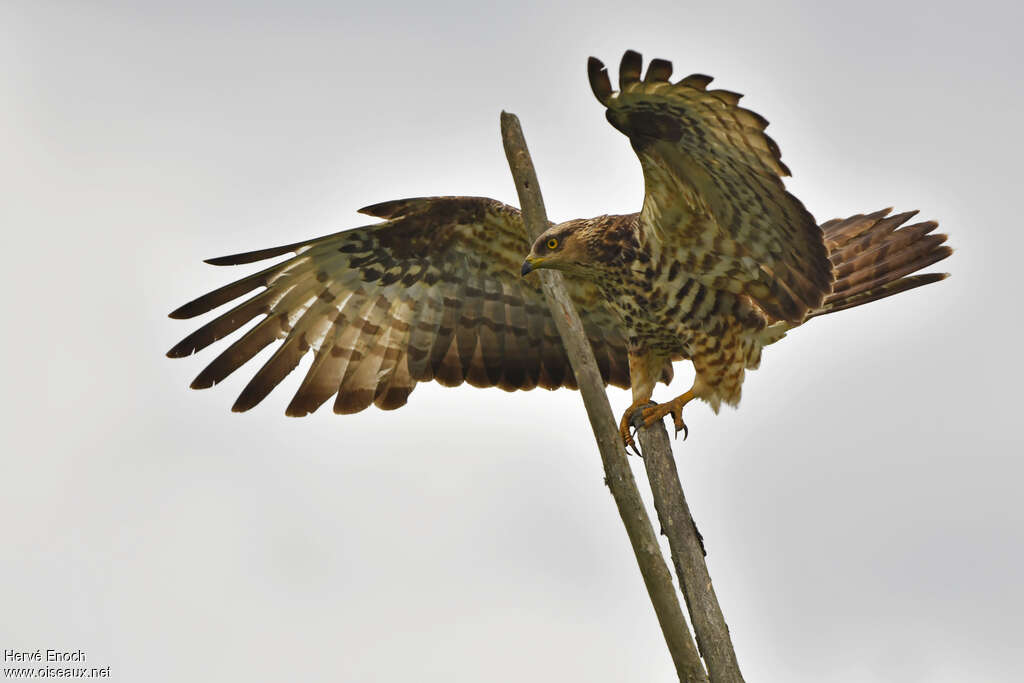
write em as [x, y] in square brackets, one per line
[861, 509]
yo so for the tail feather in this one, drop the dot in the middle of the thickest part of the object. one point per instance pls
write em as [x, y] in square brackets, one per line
[874, 257]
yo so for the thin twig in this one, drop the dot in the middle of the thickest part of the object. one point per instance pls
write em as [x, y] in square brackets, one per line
[688, 556]
[618, 475]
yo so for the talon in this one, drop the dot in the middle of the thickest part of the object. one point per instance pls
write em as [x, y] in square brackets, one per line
[630, 444]
[632, 441]
[677, 418]
[628, 428]
[655, 412]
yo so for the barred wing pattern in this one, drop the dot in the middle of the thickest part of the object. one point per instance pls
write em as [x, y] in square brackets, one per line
[432, 293]
[713, 188]
[876, 256]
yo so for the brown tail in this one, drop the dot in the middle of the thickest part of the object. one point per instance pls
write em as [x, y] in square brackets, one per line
[873, 259]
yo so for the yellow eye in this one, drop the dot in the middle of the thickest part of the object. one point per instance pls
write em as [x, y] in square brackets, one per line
[552, 243]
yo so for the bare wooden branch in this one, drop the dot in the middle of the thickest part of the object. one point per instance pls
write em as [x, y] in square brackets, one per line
[688, 556]
[618, 475]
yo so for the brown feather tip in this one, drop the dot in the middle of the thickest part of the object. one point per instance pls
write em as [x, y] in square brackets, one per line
[252, 256]
[243, 404]
[696, 81]
[759, 121]
[600, 84]
[186, 347]
[773, 147]
[201, 382]
[729, 97]
[180, 313]
[659, 70]
[629, 68]
[354, 401]
[389, 209]
[221, 295]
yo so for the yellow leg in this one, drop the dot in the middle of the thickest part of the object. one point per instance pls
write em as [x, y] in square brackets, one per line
[674, 407]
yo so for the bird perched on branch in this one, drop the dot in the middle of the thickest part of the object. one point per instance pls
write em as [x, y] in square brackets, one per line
[720, 262]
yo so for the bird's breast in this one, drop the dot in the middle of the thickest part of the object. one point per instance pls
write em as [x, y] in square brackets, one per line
[652, 313]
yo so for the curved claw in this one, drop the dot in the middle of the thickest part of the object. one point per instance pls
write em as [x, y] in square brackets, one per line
[677, 421]
[685, 430]
[674, 408]
[629, 442]
[631, 421]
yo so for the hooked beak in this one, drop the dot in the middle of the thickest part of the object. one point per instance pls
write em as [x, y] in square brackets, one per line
[527, 266]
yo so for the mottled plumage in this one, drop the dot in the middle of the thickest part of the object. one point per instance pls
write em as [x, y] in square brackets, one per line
[720, 262]
[432, 293]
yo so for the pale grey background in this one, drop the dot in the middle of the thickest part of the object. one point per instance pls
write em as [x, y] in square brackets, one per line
[861, 509]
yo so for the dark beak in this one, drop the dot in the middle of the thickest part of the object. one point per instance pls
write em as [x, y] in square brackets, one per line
[527, 267]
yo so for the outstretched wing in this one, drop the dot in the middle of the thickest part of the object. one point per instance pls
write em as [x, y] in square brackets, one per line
[713, 188]
[432, 293]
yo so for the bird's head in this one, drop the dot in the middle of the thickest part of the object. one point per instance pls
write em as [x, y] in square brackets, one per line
[566, 247]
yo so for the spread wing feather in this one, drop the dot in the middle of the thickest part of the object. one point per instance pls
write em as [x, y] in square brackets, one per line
[713, 188]
[431, 293]
[875, 256]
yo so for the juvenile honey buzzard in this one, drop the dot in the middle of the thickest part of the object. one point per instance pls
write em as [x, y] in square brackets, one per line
[720, 261]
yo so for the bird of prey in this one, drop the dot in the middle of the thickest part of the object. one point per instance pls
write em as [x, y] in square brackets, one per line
[720, 261]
